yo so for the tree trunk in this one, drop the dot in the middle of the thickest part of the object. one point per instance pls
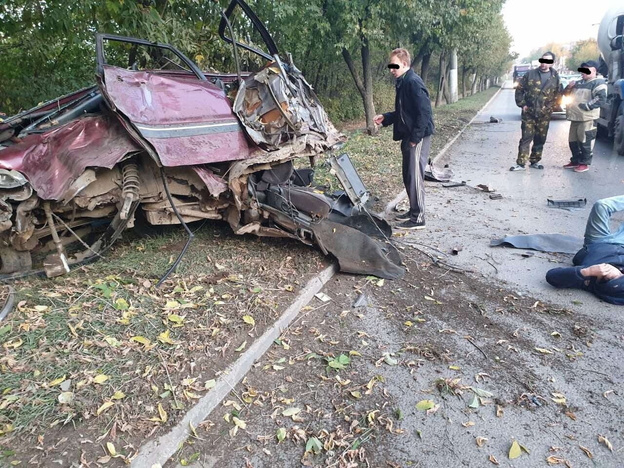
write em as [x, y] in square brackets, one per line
[441, 80]
[418, 58]
[424, 70]
[447, 80]
[463, 80]
[365, 94]
[473, 88]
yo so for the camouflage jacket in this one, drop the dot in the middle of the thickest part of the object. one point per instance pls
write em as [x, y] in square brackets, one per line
[540, 100]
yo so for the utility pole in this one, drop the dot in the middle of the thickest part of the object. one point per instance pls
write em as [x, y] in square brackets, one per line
[453, 76]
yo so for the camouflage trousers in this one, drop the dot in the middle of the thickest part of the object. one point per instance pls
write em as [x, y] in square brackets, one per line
[581, 139]
[535, 130]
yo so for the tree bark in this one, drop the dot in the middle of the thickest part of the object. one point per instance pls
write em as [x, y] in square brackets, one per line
[365, 88]
[424, 70]
[473, 88]
[441, 80]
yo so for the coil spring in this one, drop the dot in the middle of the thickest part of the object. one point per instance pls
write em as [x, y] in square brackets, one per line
[130, 181]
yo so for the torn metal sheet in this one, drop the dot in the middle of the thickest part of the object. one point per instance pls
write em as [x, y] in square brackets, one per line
[541, 242]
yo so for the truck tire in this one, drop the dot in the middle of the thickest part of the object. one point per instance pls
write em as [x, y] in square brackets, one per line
[618, 134]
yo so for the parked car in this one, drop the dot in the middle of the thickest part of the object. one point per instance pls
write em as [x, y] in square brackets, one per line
[159, 139]
[560, 108]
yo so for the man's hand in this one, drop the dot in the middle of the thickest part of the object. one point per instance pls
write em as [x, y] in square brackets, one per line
[602, 271]
[571, 85]
[378, 119]
[584, 107]
[525, 108]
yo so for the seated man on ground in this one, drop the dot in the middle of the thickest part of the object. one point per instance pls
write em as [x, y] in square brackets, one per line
[599, 264]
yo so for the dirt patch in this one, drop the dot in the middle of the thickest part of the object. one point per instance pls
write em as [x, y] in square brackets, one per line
[440, 369]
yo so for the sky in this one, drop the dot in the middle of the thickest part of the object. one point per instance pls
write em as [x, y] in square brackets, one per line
[535, 23]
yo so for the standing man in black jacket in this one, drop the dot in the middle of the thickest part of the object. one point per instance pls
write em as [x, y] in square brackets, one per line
[413, 126]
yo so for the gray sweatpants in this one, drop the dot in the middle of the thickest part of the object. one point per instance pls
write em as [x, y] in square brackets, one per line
[414, 162]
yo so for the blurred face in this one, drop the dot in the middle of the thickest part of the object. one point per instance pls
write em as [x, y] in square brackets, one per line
[397, 67]
[546, 62]
[588, 76]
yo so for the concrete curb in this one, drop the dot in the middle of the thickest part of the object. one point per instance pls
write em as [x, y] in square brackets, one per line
[158, 451]
[403, 194]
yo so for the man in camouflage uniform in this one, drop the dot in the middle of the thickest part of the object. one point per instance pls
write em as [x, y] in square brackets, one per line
[536, 94]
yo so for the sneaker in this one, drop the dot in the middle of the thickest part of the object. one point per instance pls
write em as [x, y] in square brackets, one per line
[536, 166]
[409, 224]
[403, 216]
[571, 165]
[517, 167]
[581, 168]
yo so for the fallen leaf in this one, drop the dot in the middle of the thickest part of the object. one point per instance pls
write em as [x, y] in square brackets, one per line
[481, 441]
[499, 411]
[586, 451]
[57, 381]
[474, 402]
[424, 405]
[165, 338]
[162, 413]
[493, 459]
[66, 398]
[111, 449]
[118, 395]
[468, 424]
[241, 347]
[289, 412]
[280, 434]
[544, 351]
[249, 320]
[313, 445]
[100, 378]
[239, 423]
[106, 405]
[515, 451]
[553, 460]
[604, 440]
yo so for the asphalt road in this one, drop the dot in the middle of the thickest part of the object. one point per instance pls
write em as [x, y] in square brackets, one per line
[469, 219]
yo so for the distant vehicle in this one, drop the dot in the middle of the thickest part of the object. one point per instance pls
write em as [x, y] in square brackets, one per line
[563, 101]
[611, 44]
[519, 71]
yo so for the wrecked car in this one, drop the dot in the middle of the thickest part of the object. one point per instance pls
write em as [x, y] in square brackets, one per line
[160, 140]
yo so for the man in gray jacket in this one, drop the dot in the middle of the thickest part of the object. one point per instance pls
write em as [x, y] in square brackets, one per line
[587, 96]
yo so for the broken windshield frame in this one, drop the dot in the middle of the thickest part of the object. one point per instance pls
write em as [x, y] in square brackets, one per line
[266, 37]
[101, 58]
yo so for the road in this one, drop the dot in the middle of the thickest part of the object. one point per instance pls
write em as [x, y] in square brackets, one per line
[483, 154]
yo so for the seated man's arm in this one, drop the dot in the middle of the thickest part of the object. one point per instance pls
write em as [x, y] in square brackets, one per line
[604, 280]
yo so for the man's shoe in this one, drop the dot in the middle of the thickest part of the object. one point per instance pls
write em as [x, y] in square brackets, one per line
[536, 166]
[412, 225]
[571, 165]
[517, 167]
[403, 216]
[581, 168]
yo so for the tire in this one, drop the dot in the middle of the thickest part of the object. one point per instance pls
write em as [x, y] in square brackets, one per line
[618, 134]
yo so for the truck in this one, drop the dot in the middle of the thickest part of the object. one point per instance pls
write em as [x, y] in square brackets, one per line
[610, 43]
[519, 71]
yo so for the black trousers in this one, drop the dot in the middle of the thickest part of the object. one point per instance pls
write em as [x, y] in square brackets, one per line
[414, 162]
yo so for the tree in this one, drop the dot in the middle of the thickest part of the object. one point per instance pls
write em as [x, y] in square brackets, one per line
[583, 51]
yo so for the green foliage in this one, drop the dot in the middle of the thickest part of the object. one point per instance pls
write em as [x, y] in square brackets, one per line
[47, 48]
[582, 51]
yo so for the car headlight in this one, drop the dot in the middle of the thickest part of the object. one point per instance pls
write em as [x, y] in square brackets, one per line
[565, 100]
